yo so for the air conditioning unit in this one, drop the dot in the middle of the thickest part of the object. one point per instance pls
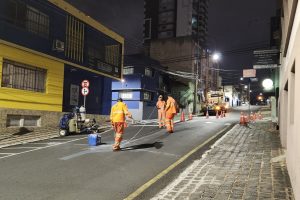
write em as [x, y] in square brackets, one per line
[58, 45]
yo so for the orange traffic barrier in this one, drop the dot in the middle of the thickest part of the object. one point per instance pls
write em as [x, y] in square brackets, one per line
[190, 116]
[182, 118]
[207, 114]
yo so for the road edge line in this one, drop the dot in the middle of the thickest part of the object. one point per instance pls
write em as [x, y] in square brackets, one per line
[141, 189]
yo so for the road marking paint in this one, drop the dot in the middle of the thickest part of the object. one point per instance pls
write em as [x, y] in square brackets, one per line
[171, 167]
[39, 148]
[144, 125]
[55, 144]
[62, 139]
[5, 153]
[227, 124]
[19, 147]
[208, 122]
[158, 152]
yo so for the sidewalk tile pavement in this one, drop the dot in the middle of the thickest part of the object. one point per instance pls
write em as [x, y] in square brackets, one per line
[238, 166]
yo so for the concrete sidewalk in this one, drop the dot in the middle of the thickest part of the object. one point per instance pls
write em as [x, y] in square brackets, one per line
[246, 163]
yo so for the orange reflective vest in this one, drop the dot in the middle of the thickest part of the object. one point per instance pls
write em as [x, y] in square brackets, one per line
[160, 105]
[118, 112]
[171, 106]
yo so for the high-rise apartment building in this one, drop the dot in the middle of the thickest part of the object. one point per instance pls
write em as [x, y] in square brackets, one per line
[175, 33]
[176, 18]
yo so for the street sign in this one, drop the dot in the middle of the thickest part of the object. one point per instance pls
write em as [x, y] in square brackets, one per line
[85, 91]
[249, 73]
[265, 59]
[85, 84]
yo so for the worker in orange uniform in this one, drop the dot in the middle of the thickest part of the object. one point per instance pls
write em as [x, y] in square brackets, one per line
[170, 113]
[118, 115]
[160, 105]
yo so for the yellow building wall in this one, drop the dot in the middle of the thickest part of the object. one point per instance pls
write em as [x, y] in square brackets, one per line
[51, 100]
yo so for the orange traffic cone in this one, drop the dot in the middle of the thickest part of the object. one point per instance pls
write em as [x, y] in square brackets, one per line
[182, 118]
[259, 116]
[190, 116]
[207, 114]
[242, 119]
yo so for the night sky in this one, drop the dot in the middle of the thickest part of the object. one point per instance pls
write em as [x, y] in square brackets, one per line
[236, 27]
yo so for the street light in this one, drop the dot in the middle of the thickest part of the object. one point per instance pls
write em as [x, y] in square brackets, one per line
[216, 56]
[267, 84]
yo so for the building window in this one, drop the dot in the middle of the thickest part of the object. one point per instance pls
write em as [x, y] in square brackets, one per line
[37, 22]
[22, 76]
[74, 39]
[147, 32]
[149, 72]
[147, 96]
[126, 95]
[128, 70]
[21, 121]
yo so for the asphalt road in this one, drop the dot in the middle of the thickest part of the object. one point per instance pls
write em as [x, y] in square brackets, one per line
[67, 168]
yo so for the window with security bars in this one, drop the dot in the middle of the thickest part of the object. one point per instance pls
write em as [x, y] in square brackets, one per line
[37, 22]
[74, 38]
[21, 76]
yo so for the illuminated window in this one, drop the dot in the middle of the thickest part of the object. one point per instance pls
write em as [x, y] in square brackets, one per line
[126, 95]
[128, 70]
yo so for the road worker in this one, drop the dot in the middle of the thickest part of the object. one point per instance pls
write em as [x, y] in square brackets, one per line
[160, 105]
[118, 115]
[170, 113]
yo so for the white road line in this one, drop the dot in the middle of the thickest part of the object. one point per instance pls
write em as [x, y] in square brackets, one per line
[158, 152]
[63, 139]
[19, 147]
[5, 153]
[39, 148]
[144, 125]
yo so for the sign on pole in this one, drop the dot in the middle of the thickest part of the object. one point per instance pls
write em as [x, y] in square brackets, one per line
[85, 90]
[85, 84]
[249, 73]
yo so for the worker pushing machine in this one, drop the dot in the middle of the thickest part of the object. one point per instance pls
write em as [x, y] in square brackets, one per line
[118, 115]
[160, 105]
[170, 113]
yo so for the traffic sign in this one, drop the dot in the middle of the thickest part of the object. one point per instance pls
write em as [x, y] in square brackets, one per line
[85, 91]
[85, 84]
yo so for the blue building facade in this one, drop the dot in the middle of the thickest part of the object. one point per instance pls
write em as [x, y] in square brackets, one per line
[47, 48]
[144, 80]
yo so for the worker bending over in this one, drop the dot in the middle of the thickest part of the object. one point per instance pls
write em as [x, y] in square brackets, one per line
[170, 113]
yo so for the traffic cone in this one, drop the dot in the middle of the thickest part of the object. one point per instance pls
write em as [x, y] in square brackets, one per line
[242, 119]
[259, 116]
[217, 114]
[207, 114]
[182, 118]
[254, 116]
[190, 116]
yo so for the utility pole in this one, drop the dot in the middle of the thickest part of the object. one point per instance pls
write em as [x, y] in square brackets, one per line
[196, 78]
